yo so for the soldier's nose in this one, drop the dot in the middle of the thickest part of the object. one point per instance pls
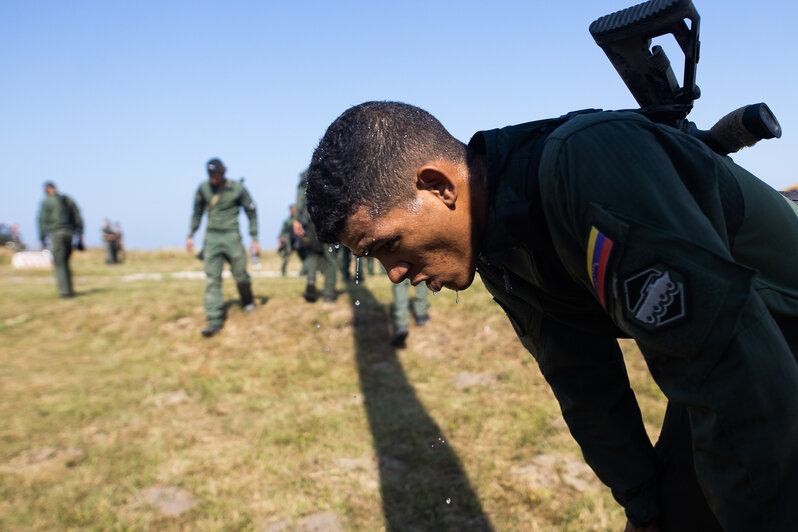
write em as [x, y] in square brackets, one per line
[398, 271]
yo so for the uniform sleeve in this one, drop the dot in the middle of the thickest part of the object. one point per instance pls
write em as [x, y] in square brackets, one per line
[196, 217]
[588, 376]
[245, 200]
[637, 214]
[301, 203]
[587, 373]
[42, 221]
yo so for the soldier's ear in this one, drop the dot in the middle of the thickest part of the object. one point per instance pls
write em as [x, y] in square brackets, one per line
[437, 179]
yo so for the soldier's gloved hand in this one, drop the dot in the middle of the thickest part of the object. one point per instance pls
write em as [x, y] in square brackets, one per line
[189, 244]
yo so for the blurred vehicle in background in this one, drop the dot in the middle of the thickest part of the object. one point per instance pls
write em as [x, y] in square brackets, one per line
[9, 237]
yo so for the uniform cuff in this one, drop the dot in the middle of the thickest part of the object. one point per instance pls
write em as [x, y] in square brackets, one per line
[641, 505]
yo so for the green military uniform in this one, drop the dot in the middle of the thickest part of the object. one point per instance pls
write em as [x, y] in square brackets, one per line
[320, 256]
[400, 310]
[345, 263]
[286, 247]
[119, 250]
[110, 243]
[360, 273]
[223, 241]
[291, 243]
[60, 220]
[402, 304]
[633, 229]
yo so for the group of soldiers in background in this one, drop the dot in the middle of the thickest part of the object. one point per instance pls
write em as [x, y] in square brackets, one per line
[298, 234]
[61, 224]
[61, 231]
[112, 240]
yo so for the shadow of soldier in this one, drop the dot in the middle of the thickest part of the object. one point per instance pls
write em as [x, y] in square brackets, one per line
[422, 482]
[259, 301]
[230, 303]
[89, 291]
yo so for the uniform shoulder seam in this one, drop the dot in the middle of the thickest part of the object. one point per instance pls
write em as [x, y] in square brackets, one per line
[587, 121]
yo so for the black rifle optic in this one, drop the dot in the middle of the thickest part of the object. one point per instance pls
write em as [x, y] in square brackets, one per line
[625, 36]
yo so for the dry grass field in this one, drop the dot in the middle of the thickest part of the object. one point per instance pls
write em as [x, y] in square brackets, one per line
[117, 415]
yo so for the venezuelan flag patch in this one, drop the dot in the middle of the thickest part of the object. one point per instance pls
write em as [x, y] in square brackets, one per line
[599, 248]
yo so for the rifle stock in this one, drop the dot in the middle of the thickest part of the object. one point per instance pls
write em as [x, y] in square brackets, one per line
[625, 36]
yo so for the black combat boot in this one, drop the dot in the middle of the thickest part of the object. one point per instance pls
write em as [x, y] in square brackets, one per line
[211, 329]
[311, 295]
[247, 300]
[399, 338]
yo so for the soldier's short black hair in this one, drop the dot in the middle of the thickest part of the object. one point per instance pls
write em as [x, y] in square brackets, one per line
[368, 157]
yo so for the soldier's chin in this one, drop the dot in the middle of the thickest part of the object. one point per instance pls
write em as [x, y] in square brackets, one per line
[461, 284]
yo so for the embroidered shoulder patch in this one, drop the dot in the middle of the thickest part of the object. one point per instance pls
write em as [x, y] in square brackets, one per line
[655, 297]
[599, 248]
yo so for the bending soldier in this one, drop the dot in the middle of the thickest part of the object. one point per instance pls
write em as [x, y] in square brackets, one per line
[585, 229]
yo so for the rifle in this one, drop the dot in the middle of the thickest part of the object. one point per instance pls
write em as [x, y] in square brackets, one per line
[625, 36]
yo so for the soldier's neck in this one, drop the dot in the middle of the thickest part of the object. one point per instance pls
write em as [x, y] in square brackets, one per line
[477, 181]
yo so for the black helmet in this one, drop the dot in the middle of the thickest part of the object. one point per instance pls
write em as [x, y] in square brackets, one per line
[215, 166]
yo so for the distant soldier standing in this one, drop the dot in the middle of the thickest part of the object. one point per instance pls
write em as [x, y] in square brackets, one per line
[109, 241]
[319, 256]
[119, 243]
[401, 308]
[60, 220]
[289, 242]
[221, 198]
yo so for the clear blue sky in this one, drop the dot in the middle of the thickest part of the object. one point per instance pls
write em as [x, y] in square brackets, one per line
[121, 103]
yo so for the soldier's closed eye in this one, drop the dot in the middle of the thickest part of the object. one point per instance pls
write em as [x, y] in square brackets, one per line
[390, 245]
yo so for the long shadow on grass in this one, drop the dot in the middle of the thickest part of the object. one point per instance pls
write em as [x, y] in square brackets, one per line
[90, 291]
[422, 482]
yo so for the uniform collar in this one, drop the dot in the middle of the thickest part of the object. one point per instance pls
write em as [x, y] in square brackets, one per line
[506, 208]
